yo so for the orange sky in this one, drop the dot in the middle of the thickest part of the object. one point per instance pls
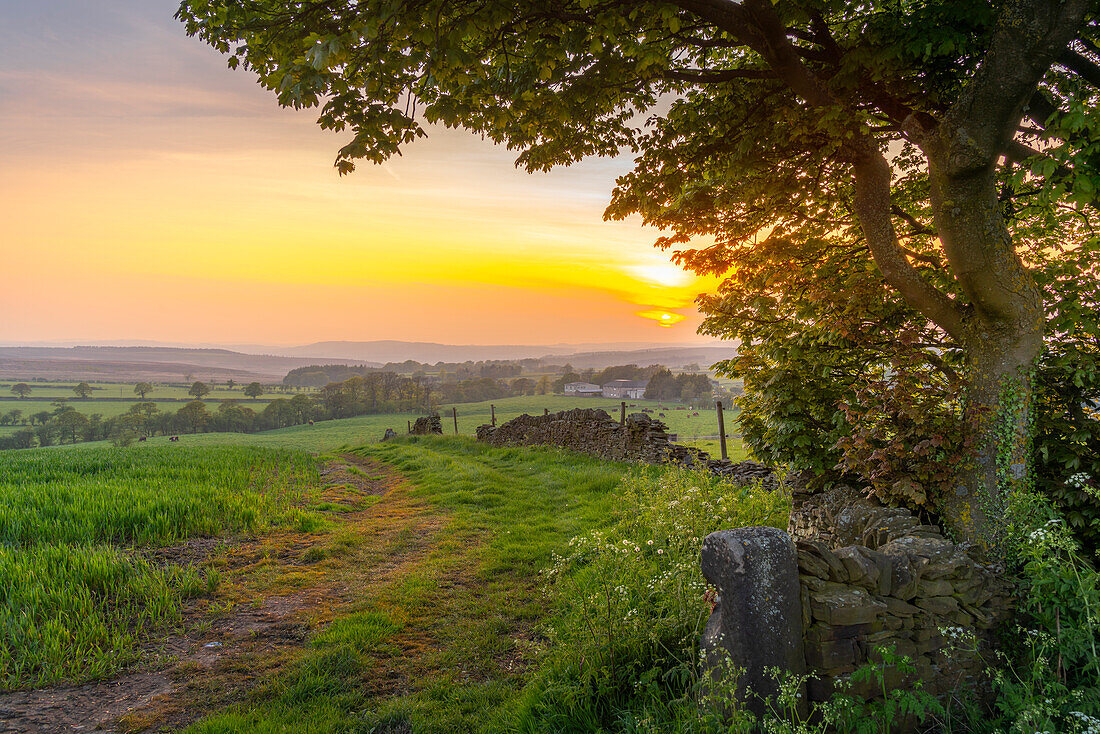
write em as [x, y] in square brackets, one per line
[146, 192]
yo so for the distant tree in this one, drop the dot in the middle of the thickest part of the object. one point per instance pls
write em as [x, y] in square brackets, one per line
[69, 422]
[188, 377]
[194, 415]
[83, 390]
[142, 389]
[544, 388]
[522, 386]
[662, 386]
[41, 417]
[198, 390]
[21, 389]
[24, 439]
[231, 383]
[254, 390]
[46, 433]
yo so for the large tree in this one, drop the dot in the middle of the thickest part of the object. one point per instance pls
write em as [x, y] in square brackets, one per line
[895, 127]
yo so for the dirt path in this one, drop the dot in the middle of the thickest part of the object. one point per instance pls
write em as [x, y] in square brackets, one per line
[278, 590]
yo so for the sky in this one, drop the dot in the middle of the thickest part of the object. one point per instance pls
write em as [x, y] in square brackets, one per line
[148, 192]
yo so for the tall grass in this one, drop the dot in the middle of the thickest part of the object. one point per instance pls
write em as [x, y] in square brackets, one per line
[74, 598]
[622, 643]
[152, 495]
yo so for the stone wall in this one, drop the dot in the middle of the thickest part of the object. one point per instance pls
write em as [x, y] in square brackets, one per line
[870, 578]
[876, 577]
[593, 431]
[427, 425]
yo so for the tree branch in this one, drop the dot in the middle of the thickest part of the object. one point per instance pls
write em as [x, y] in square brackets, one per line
[709, 76]
[874, 208]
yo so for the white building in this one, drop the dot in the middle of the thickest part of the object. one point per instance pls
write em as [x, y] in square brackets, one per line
[582, 389]
[624, 389]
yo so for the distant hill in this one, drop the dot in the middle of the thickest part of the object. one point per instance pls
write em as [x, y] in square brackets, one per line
[668, 356]
[430, 353]
[144, 363]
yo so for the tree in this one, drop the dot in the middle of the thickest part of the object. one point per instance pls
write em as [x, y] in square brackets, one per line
[21, 389]
[253, 390]
[231, 383]
[83, 390]
[907, 134]
[142, 389]
[193, 415]
[198, 390]
[662, 386]
[68, 423]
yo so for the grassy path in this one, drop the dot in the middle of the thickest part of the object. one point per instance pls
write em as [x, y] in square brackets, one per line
[440, 620]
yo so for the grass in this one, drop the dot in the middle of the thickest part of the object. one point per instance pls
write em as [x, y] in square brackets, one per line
[459, 624]
[76, 598]
[146, 495]
[468, 627]
[366, 429]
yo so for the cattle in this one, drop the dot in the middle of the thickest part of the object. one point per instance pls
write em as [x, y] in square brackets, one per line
[311, 423]
[696, 414]
[173, 438]
[141, 438]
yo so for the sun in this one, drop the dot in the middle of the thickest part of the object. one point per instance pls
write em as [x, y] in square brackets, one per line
[663, 318]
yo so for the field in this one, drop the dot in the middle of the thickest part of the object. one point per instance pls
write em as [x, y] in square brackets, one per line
[421, 606]
[98, 554]
[329, 435]
[75, 592]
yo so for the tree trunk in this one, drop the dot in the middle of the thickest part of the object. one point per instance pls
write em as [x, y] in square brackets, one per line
[1002, 334]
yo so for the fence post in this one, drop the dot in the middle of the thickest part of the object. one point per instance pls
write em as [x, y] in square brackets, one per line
[546, 411]
[622, 416]
[410, 426]
[721, 430]
[454, 412]
[493, 413]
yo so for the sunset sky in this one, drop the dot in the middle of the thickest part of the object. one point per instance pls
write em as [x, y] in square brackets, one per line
[147, 192]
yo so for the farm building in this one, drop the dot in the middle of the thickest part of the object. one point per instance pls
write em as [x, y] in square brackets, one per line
[624, 389]
[582, 389]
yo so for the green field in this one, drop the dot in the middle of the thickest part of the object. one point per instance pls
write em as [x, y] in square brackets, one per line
[328, 435]
[76, 598]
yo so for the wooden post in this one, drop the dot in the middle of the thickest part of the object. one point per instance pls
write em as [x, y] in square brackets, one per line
[493, 413]
[622, 416]
[546, 411]
[410, 426]
[454, 412]
[721, 430]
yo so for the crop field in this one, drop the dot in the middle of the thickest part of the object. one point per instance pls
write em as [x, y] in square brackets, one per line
[77, 592]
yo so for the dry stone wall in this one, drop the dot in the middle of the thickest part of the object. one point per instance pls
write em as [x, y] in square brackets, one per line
[427, 425]
[875, 577]
[593, 431]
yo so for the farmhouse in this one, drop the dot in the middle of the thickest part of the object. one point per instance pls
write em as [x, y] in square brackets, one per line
[582, 389]
[624, 389]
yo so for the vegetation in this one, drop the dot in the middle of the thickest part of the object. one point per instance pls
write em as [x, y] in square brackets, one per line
[77, 599]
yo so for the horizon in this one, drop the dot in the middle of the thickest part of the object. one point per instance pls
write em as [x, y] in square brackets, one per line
[153, 192]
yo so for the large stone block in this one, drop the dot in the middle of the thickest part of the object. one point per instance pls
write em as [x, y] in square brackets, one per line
[757, 623]
[846, 606]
